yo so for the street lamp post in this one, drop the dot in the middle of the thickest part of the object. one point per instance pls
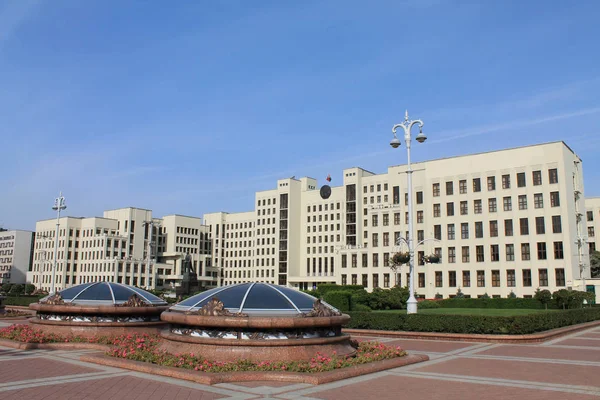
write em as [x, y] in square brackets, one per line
[59, 205]
[406, 125]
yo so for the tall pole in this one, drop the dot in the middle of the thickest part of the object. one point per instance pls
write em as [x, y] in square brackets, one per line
[59, 204]
[148, 252]
[406, 125]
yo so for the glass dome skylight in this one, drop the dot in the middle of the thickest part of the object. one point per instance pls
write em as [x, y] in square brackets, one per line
[106, 293]
[253, 299]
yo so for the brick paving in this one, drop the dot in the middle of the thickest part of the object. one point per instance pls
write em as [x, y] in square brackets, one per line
[563, 368]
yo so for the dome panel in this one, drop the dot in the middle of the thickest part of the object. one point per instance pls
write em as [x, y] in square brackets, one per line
[255, 299]
[302, 300]
[266, 298]
[101, 293]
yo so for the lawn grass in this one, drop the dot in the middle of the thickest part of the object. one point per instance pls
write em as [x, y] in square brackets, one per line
[505, 312]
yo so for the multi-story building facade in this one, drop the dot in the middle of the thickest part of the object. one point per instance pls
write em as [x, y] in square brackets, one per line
[504, 221]
[125, 245]
[592, 206]
[16, 249]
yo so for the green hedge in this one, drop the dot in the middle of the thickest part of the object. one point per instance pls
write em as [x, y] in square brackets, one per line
[494, 303]
[515, 325]
[20, 300]
[342, 299]
[325, 288]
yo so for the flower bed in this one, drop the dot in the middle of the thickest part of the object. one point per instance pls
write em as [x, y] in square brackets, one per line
[143, 347]
[14, 314]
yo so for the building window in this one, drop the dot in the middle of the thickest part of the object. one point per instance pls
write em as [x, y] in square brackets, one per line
[452, 278]
[480, 278]
[386, 239]
[451, 255]
[507, 202]
[421, 279]
[492, 206]
[419, 217]
[543, 275]
[365, 280]
[476, 185]
[449, 188]
[438, 279]
[496, 278]
[479, 230]
[508, 227]
[538, 200]
[354, 260]
[344, 261]
[559, 274]
[450, 209]
[464, 208]
[553, 175]
[419, 197]
[524, 224]
[365, 260]
[462, 186]
[591, 232]
[344, 280]
[590, 216]
[386, 280]
[465, 254]
[505, 181]
[479, 254]
[537, 178]
[466, 275]
[527, 277]
[477, 208]
[436, 190]
[523, 202]
[450, 231]
[386, 219]
[437, 232]
[540, 225]
[464, 230]
[375, 219]
[491, 183]
[436, 210]
[557, 224]
[375, 281]
[525, 252]
[396, 194]
[396, 218]
[354, 279]
[493, 228]
[510, 278]
[495, 252]
[510, 252]
[554, 199]
[558, 251]
[521, 179]
[541, 250]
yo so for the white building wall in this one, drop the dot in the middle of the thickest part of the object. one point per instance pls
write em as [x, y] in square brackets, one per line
[15, 255]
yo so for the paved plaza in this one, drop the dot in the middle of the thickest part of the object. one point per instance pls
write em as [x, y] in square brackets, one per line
[564, 368]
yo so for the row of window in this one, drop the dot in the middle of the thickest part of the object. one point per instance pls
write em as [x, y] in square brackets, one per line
[481, 280]
[540, 228]
[491, 182]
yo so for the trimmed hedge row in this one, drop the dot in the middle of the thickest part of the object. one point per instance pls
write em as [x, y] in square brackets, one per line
[342, 300]
[21, 300]
[323, 289]
[475, 324]
[494, 303]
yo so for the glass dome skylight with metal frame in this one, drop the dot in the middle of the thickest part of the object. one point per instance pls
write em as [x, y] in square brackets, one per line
[253, 299]
[106, 293]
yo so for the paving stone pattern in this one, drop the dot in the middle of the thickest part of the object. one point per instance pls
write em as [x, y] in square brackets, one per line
[563, 368]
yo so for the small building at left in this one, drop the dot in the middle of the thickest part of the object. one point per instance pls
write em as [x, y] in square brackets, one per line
[16, 255]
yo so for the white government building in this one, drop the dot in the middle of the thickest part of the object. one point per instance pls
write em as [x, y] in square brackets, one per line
[16, 248]
[505, 221]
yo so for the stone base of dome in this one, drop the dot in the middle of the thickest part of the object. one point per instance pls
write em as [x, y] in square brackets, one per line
[256, 350]
[91, 329]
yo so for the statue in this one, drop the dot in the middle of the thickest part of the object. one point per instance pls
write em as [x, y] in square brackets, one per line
[187, 266]
[321, 310]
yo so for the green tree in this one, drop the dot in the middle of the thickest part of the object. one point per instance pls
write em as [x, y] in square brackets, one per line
[595, 264]
[29, 288]
[512, 295]
[543, 296]
[17, 290]
[6, 287]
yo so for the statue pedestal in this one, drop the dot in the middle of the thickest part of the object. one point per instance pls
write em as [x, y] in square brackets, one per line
[189, 285]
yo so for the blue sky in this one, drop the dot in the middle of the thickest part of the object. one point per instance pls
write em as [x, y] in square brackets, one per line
[191, 107]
